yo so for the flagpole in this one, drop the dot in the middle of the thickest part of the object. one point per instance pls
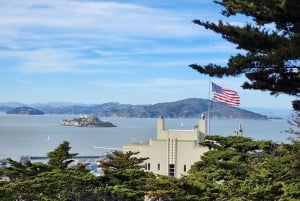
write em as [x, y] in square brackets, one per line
[208, 111]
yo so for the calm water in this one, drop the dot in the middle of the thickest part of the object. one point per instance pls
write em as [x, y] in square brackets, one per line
[38, 135]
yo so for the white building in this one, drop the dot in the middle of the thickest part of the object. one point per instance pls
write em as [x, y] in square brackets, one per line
[174, 151]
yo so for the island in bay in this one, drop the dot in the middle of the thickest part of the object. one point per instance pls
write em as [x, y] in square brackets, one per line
[87, 121]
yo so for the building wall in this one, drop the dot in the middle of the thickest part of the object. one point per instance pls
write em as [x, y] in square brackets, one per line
[188, 153]
[193, 135]
[178, 147]
[157, 153]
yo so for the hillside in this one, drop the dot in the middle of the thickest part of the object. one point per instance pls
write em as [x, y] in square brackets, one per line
[188, 108]
[25, 111]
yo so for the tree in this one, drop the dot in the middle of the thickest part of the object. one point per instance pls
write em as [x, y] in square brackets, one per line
[118, 160]
[271, 43]
[17, 170]
[262, 170]
[174, 189]
[52, 181]
[55, 185]
[60, 157]
[236, 168]
[123, 177]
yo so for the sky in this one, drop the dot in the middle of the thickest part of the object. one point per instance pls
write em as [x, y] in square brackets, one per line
[126, 51]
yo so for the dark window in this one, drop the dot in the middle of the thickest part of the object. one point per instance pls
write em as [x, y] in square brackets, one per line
[158, 166]
[184, 168]
[172, 170]
[148, 166]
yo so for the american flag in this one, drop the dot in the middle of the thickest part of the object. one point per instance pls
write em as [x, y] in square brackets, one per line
[223, 95]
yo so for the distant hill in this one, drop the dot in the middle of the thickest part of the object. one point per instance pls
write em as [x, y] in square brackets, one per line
[188, 108]
[25, 111]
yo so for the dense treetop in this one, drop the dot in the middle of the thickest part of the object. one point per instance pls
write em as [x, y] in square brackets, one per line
[236, 168]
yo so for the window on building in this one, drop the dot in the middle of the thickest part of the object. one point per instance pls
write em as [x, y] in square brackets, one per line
[171, 170]
[184, 168]
[147, 166]
[158, 166]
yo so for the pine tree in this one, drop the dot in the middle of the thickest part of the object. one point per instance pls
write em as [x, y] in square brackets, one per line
[118, 160]
[272, 58]
[60, 158]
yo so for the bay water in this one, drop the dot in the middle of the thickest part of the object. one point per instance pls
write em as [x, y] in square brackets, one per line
[38, 135]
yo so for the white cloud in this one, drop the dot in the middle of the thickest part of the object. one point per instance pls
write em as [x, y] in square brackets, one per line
[56, 35]
[103, 17]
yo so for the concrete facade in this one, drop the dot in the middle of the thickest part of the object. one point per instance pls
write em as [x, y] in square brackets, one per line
[174, 151]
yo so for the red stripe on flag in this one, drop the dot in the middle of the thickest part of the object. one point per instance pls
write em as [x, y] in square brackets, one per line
[227, 96]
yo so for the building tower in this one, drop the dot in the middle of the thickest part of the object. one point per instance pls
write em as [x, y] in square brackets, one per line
[174, 151]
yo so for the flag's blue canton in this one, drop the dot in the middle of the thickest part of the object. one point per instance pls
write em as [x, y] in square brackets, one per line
[216, 88]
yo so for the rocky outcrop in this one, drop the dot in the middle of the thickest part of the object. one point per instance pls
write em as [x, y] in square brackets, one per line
[87, 121]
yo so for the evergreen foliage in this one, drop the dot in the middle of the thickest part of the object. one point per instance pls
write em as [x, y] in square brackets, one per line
[123, 179]
[271, 42]
[60, 157]
[236, 168]
[118, 160]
